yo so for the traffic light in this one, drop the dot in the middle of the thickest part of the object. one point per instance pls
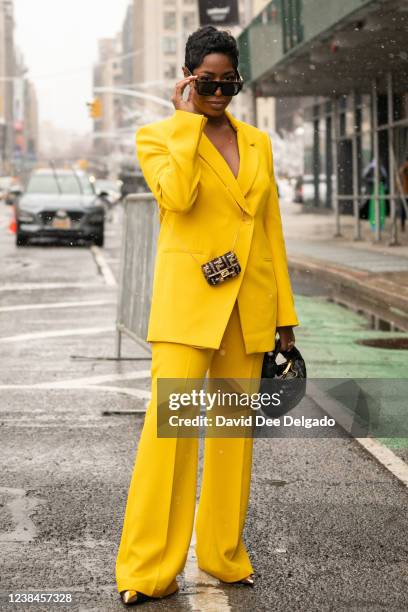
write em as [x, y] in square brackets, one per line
[95, 108]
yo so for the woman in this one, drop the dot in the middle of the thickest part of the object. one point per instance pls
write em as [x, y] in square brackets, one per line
[213, 179]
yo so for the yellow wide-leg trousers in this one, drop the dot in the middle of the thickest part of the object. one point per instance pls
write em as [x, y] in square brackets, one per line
[160, 508]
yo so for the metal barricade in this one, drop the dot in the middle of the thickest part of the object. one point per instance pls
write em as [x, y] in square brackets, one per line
[139, 240]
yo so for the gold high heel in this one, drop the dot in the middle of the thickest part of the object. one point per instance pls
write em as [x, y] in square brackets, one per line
[248, 581]
[133, 598]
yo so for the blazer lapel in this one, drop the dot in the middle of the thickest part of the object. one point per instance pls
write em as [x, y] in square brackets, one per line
[218, 164]
[249, 156]
[249, 160]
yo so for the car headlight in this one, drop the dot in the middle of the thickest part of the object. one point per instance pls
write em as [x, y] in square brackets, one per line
[24, 216]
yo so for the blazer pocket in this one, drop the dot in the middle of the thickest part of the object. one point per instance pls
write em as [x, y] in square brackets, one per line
[269, 258]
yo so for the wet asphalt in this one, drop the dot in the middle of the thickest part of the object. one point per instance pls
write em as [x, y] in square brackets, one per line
[327, 525]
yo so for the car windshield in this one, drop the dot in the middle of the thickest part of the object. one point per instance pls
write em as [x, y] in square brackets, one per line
[68, 184]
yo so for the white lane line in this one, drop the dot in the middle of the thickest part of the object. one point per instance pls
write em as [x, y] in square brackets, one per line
[84, 331]
[89, 382]
[103, 266]
[207, 597]
[137, 393]
[20, 507]
[381, 453]
[386, 457]
[42, 286]
[55, 305]
[94, 380]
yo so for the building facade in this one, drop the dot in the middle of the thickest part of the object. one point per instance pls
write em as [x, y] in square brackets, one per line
[18, 102]
[345, 65]
[109, 76]
[7, 73]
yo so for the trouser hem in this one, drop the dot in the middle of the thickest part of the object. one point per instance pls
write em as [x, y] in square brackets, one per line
[130, 584]
[229, 576]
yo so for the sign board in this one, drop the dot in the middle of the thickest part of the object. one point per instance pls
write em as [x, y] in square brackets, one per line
[219, 12]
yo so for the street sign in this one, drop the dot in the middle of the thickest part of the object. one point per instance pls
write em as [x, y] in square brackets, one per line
[219, 12]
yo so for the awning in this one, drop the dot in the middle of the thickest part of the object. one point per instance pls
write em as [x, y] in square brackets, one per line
[326, 48]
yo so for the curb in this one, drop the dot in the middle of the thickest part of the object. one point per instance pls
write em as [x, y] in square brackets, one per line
[360, 290]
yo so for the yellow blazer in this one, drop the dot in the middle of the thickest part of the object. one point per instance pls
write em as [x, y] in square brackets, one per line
[203, 206]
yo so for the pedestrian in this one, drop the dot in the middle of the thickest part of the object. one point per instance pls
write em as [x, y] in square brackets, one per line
[213, 178]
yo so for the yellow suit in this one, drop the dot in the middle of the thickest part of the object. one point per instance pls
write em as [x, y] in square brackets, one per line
[203, 207]
[194, 329]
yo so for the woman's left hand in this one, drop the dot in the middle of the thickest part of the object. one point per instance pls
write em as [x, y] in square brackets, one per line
[287, 337]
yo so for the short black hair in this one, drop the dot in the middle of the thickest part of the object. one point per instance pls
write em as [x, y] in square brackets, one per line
[208, 40]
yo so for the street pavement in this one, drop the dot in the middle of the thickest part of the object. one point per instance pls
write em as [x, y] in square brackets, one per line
[327, 523]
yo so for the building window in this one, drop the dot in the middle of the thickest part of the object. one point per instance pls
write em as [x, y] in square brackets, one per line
[170, 71]
[169, 45]
[189, 21]
[169, 21]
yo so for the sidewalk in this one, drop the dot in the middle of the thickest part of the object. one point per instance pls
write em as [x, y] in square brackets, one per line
[372, 276]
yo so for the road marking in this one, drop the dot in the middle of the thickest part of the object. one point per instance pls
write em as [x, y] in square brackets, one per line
[206, 597]
[56, 305]
[103, 266]
[137, 393]
[41, 286]
[20, 507]
[387, 458]
[84, 331]
[92, 383]
[94, 380]
[381, 453]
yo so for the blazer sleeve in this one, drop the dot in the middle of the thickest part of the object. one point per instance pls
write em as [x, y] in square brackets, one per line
[170, 163]
[286, 313]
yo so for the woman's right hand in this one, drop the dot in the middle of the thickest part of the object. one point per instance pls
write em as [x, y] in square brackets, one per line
[177, 97]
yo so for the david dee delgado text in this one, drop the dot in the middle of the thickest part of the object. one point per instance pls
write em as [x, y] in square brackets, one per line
[254, 401]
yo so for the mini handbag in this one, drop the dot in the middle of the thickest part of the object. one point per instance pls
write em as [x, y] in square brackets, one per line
[221, 268]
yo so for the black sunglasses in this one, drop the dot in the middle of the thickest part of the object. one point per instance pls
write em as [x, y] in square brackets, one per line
[228, 88]
[208, 88]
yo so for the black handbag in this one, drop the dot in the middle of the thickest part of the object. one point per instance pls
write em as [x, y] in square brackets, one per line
[287, 378]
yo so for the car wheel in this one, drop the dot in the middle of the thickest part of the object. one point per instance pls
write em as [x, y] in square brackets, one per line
[21, 239]
[98, 240]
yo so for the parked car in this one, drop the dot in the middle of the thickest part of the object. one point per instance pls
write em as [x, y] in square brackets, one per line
[60, 204]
